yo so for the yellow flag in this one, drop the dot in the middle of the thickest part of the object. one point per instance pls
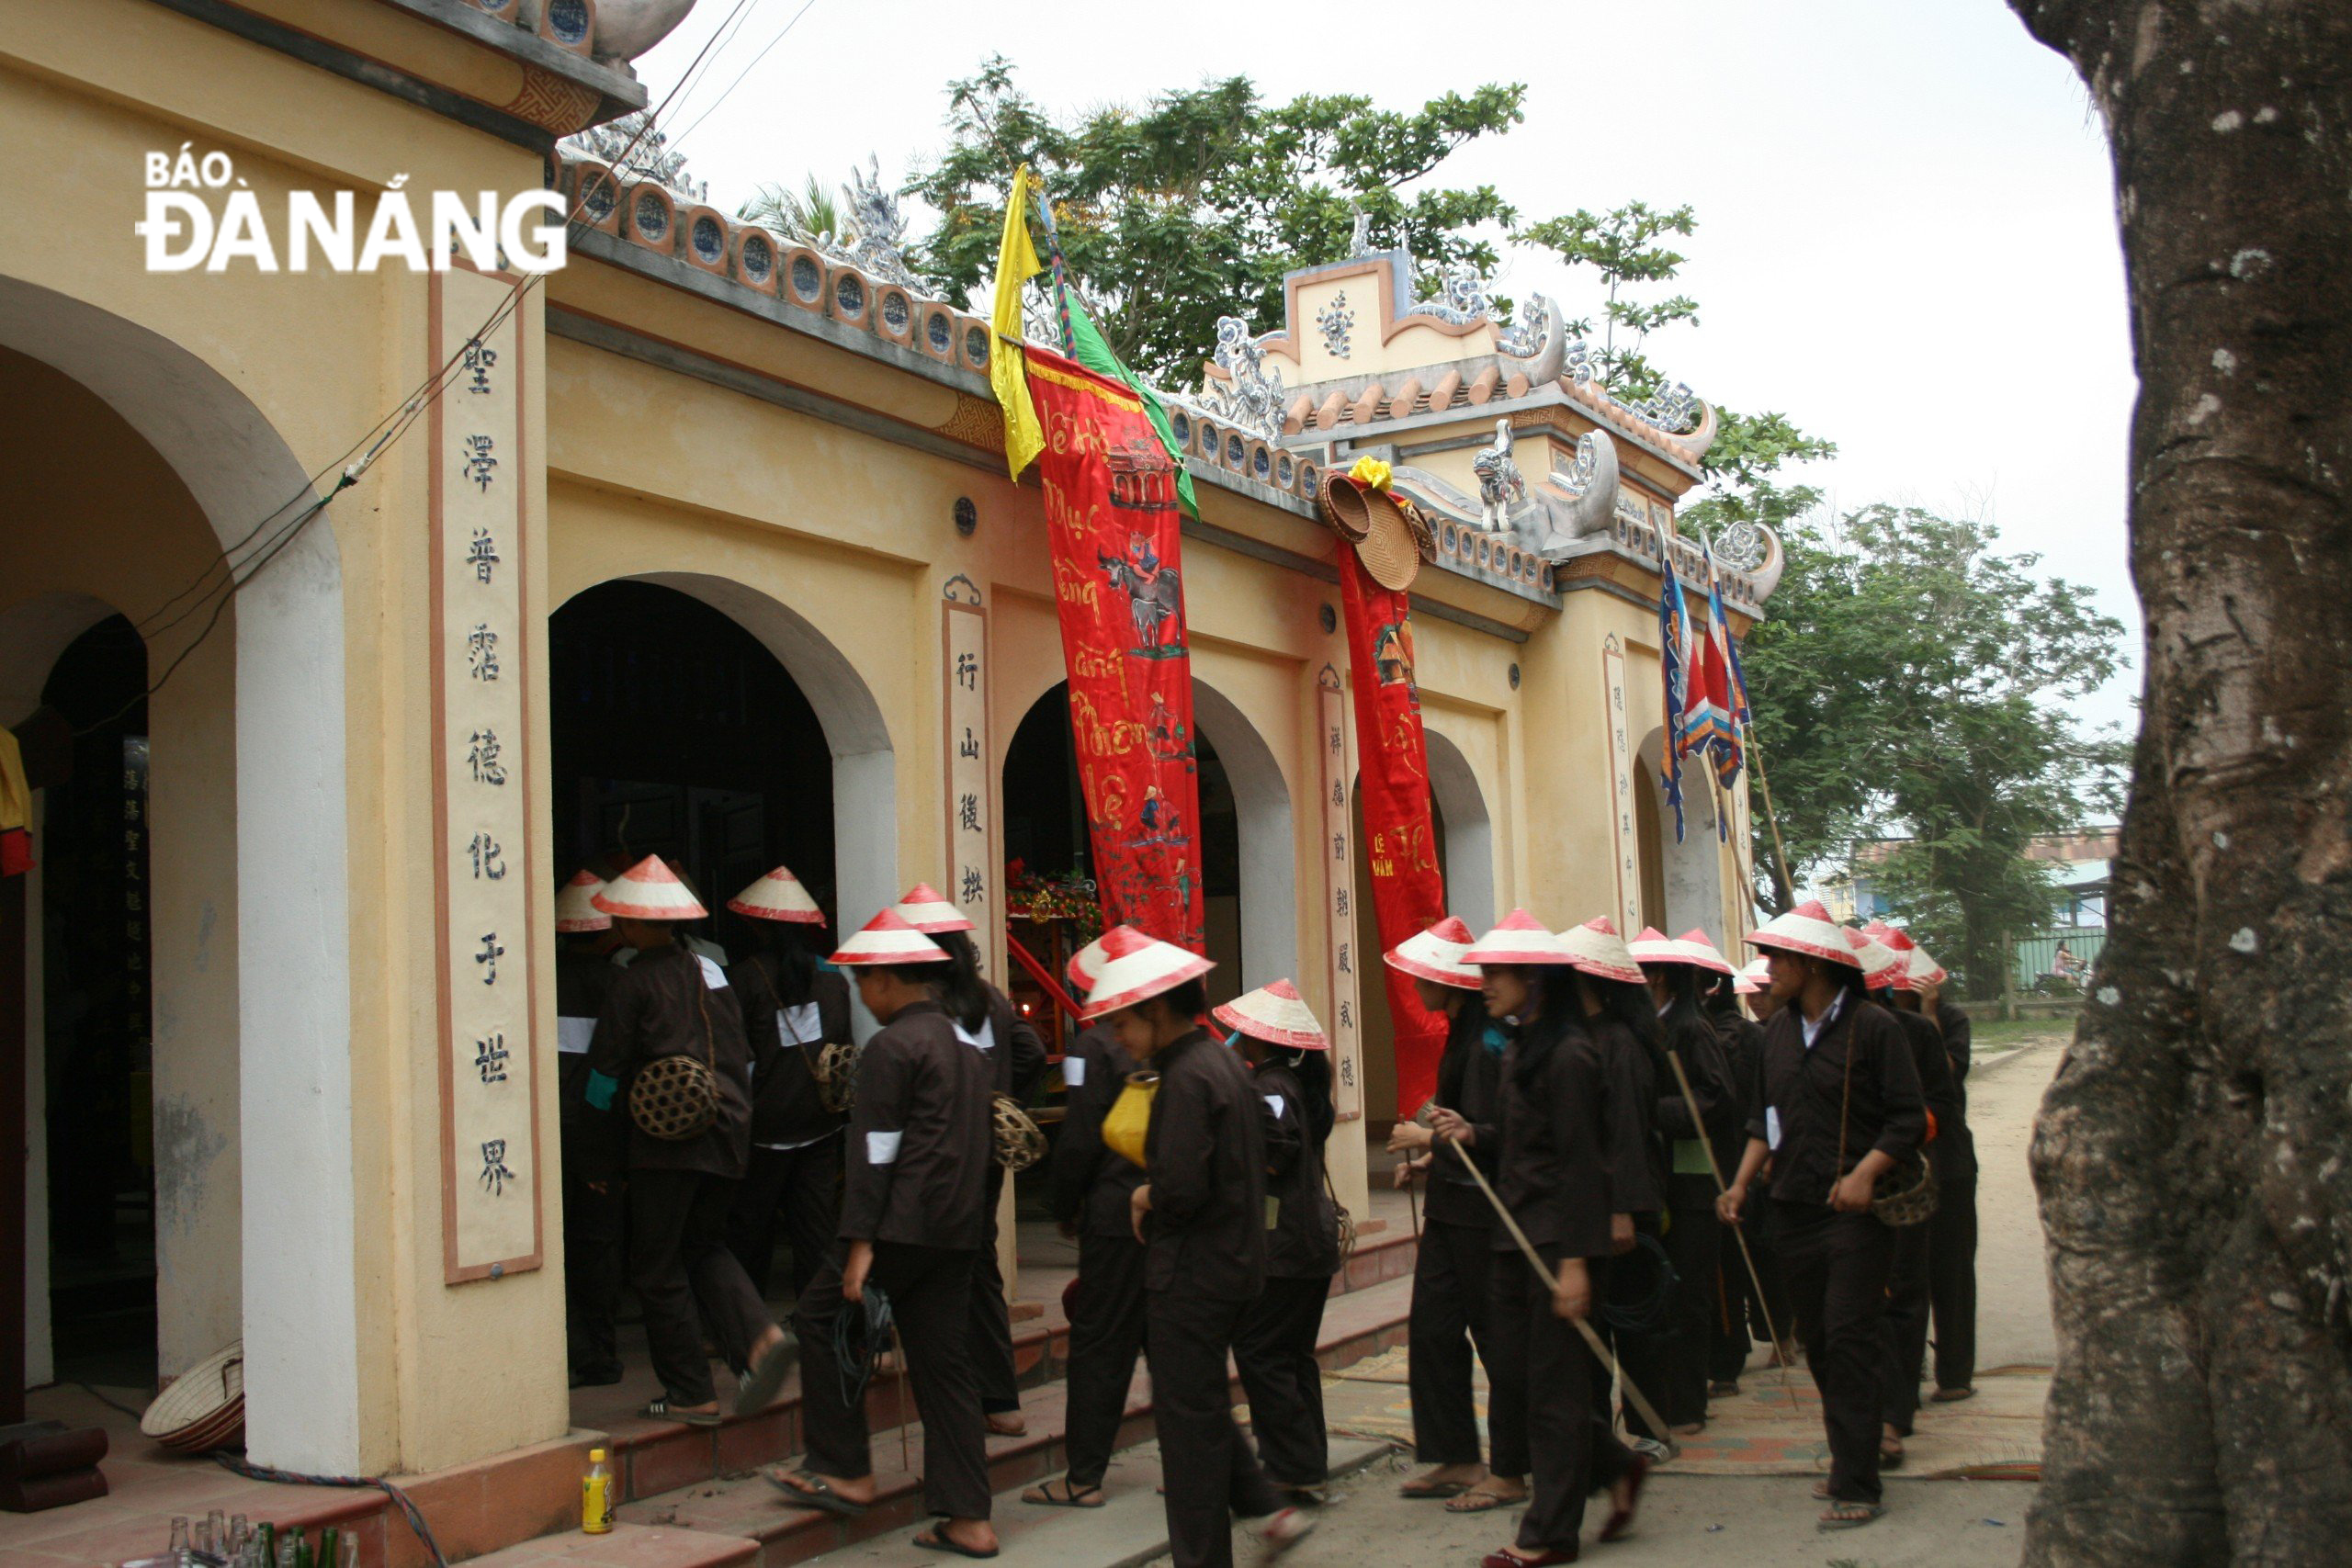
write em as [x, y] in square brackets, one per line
[1016, 263]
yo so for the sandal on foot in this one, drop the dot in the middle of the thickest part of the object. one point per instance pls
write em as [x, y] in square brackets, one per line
[1851, 1515]
[1722, 1389]
[1045, 1497]
[1440, 1490]
[1951, 1396]
[1286, 1529]
[1890, 1458]
[662, 1410]
[937, 1540]
[765, 1380]
[1512, 1559]
[1478, 1500]
[809, 1490]
[1619, 1522]
[1014, 1425]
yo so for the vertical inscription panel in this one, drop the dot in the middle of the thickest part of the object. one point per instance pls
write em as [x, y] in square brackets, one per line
[971, 868]
[1622, 767]
[1338, 896]
[484, 874]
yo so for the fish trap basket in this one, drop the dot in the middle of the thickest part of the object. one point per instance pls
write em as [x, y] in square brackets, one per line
[836, 1075]
[673, 1099]
[1019, 1144]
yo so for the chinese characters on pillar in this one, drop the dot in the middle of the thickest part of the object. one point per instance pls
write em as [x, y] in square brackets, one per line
[972, 870]
[488, 929]
[1621, 787]
[1338, 896]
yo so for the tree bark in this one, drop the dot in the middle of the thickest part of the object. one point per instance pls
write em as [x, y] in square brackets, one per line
[2194, 1155]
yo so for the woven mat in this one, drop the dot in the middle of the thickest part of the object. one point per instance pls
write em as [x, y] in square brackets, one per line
[1997, 1436]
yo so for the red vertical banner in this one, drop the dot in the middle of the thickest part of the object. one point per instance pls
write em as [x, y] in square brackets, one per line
[1399, 835]
[1112, 520]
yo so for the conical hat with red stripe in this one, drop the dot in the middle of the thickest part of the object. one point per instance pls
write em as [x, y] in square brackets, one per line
[1807, 930]
[1135, 969]
[886, 938]
[1877, 961]
[1521, 939]
[575, 908]
[778, 896]
[1924, 971]
[922, 908]
[649, 891]
[1754, 980]
[1275, 1014]
[1083, 966]
[1435, 955]
[1651, 945]
[1899, 944]
[1703, 952]
[1596, 949]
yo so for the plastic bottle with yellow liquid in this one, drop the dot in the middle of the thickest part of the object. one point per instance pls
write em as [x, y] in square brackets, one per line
[596, 1495]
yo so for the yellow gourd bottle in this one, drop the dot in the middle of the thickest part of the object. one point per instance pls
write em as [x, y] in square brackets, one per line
[596, 1495]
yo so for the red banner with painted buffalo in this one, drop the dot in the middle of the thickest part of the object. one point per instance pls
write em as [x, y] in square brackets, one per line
[1112, 520]
[1399, 836]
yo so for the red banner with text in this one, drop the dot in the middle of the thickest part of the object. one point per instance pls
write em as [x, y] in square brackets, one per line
[1111, 519]
[1399, 835]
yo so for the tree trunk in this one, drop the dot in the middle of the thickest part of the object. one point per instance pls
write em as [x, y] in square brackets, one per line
[2192, 1153]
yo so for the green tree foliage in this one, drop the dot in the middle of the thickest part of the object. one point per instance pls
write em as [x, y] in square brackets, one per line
[1907, 685]
[1622, 246]
[1194, 204]
[809, 214]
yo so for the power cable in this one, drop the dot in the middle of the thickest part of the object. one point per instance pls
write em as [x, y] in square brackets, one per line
[746, 72]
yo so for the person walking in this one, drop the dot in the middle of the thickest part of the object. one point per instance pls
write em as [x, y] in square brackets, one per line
[1274, 1348]
[1951, 1234]
[593, 1202]
[683, 1149]
[985, 1020]
[1453, 1270]
[793, 1009]
[1201, 1216]
[912, 1227]
[1558, 1184]
[1841, 1107]
[1752, 1307]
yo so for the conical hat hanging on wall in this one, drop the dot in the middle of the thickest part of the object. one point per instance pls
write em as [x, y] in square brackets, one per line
[649, 891]
[575, 905]
[778, 896]
[1275, 1014]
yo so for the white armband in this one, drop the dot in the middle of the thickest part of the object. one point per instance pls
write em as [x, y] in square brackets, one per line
[1074, 1072]
[882, 1148]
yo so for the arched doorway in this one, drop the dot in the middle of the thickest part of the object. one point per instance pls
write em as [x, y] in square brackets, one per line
[1681, 880]
[1466, 831]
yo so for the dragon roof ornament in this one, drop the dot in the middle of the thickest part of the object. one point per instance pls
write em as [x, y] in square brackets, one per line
[1462, 299]
[635, 151]
[1251, 394]
[1675, 409]
[874, 242]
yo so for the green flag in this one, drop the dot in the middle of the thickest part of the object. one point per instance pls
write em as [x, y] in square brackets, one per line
[1088, 347]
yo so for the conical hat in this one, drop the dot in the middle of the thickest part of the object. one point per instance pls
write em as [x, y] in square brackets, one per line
[1899, 944]
[575, 909]
[922, 908]
[1744, 985]
[778, 896]
[886, 938]
[1703, 952]
[1273, 1014]
[1595, 948]
[1651, 945]
[1521, 939]
[648, 891]
[1135, 969]
[1084, 965]
[1926, 971]
[1435, 955]
[1877, 961]
[1807, 930]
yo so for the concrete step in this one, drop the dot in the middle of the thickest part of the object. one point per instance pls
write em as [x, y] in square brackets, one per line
[628, 1546]
[743, 1505]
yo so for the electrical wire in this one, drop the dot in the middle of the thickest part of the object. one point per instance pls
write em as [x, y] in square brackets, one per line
[408, 1510]
[746, 72]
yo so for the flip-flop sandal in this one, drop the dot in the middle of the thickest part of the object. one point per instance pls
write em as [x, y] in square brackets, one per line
[1821, 1492]
[1620, 1520]
[1441, 1491]
[1852, 1515]
[1042, 1494]
[1474, 1500]
[1951, 1396]
[940, 1541]
[660, 1410]
[765, 1380]
[809, 1490]
[1891, 1459]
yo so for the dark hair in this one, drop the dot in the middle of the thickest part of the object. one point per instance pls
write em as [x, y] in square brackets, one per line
[925, 975]
[1187, 1001]
[1682, 984]
[1557, 1013]
[1314, 1070]
[963, 993]
[1465, 1033]
[1718, 995]
[796, 961]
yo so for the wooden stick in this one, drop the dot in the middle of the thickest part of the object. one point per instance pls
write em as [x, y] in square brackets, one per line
[1772, 818]
[1715, 1170]
[1550, 1283]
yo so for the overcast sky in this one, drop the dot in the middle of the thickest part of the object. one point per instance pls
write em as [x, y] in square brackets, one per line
[1905, 233]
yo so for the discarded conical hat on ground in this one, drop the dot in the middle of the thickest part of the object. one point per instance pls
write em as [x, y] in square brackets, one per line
[1596, 949]
[1521, 939]
[1651, 945]
[922, 908]
[1436, 955]
[575, 905]
[1924, 971]
[887, 939]
[1702, 951]
[778, 896]
[649, 890]
[1808, 932]
[1135, 969]
[1876, 960]
[1274, 1014]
